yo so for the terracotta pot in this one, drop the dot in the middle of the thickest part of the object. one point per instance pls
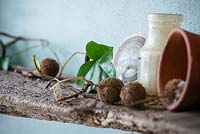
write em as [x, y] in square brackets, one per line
[180, 58]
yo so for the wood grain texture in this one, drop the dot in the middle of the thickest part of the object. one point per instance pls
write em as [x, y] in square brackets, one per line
[25, 97]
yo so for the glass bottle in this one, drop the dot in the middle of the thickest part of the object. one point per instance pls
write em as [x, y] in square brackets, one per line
[159, 25]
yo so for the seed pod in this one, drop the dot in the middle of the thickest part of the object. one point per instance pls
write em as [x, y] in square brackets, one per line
[173, 89]
[132, 92]
[109, 90]
[49, 67]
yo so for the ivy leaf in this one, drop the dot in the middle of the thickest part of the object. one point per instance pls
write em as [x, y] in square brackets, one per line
[5, 63]
[99, 66]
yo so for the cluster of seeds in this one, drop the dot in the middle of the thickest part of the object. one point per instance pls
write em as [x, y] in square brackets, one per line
[112, 90]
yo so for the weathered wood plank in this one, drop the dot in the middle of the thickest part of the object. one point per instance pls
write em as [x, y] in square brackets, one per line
[21, 96]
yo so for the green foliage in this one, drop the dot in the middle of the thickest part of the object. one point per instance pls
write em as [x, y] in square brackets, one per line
[99, 66]
[4, 63]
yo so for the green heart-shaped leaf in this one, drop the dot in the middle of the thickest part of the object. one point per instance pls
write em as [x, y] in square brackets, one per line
[100, 66]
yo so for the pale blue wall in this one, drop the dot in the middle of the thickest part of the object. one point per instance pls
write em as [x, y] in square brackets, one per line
[70, 24]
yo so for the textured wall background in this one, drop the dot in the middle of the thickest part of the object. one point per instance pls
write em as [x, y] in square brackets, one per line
[70, 24]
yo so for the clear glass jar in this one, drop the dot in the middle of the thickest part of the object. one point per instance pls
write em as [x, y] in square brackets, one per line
[159, 25]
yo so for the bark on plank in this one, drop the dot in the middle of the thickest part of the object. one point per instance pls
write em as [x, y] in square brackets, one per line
[25, 97]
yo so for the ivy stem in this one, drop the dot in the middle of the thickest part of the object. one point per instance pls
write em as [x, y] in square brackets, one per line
[66, 61]
[36, 63]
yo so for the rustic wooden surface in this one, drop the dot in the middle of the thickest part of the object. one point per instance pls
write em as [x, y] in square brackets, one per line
[21, 96]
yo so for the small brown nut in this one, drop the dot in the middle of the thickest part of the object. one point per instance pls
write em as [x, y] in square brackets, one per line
[109, 90]
[131, 93]
[49, 67]
[173, 90]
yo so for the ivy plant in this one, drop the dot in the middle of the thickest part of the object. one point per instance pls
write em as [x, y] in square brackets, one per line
[99, 65]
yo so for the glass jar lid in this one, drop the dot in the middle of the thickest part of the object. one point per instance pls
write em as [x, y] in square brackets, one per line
[165, 17]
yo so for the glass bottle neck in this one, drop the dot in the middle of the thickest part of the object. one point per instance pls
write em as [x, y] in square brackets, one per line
[157, 34]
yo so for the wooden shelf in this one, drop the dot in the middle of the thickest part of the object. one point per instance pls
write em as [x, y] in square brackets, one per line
[21, 96]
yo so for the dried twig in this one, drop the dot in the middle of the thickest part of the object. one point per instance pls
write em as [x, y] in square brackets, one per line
[148, 100]
[25, 73]
[51, 81]
[56, 88]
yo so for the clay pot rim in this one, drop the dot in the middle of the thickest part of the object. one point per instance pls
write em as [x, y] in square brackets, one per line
[183, 34]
